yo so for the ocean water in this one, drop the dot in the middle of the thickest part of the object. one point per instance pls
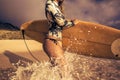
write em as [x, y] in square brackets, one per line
[79, 67]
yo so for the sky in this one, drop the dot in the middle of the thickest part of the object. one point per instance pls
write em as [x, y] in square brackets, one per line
[105, 12]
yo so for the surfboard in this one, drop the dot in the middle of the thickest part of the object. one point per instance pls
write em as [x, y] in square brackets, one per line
[85, 38]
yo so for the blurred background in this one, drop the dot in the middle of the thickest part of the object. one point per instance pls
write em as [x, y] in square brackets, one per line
[105, 12]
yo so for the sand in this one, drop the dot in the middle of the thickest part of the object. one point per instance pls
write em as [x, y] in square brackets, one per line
[11, 51]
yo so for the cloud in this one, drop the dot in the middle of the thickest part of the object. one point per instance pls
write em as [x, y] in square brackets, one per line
[19, 11]
[100, 11]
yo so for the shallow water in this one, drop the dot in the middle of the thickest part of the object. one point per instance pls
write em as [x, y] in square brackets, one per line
[79, 68]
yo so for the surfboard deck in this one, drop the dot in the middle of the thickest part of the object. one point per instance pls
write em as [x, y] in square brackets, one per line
[85, 38]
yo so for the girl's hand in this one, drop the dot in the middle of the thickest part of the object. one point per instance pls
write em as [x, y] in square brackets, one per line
[76, 21]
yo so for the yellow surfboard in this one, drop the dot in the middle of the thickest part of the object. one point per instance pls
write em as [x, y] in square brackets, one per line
[85, 38]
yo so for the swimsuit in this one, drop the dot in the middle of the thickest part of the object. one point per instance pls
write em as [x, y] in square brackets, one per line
[56, 19]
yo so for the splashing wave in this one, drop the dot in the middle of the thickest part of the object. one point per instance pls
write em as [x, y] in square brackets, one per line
[79, 68]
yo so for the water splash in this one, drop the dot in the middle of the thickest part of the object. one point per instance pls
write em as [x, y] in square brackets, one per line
[79, 68]
[42, 71]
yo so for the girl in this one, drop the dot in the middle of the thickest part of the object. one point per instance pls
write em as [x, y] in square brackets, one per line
[57, 21]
